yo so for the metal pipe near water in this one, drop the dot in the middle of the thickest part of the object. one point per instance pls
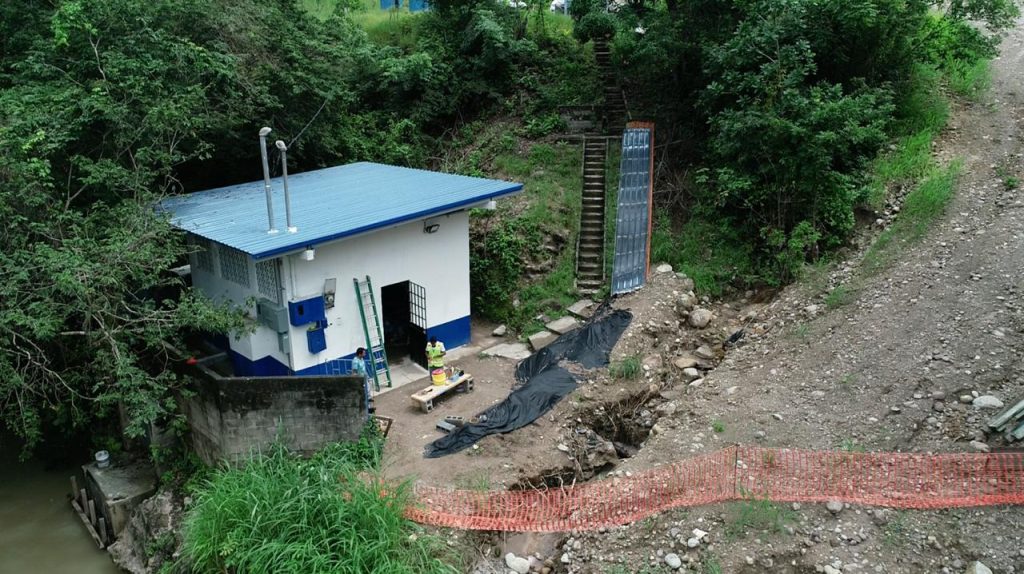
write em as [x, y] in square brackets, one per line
[266, 179]
[284, 177]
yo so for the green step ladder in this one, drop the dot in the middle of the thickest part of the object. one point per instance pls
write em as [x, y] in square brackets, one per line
[378, 358]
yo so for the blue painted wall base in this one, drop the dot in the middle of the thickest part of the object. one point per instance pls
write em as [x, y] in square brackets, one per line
[453, 334]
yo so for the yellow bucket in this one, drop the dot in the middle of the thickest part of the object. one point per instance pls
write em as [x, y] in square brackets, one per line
[438, 376]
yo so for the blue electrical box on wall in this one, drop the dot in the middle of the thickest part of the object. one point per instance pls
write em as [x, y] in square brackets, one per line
[306, 311]
[316, 339]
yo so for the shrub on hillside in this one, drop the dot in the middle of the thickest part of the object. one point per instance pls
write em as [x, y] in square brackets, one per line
[593, 26]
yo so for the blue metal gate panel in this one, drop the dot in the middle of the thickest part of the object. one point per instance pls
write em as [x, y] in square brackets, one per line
[632, 220]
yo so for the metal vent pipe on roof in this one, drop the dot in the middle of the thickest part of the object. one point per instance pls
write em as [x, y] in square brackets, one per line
[284, 177]
[266, 179]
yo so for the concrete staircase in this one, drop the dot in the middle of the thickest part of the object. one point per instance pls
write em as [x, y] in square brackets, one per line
[614, 102]
[590, 251]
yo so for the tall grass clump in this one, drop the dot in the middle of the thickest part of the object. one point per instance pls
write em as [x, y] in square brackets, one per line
[329, 513]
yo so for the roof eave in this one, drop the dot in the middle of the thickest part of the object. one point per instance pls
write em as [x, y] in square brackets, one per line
[450, 208]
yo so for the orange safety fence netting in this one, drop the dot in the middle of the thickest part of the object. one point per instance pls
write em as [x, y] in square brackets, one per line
[897, 480]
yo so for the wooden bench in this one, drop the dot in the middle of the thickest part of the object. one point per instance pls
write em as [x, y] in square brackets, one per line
[425, 399]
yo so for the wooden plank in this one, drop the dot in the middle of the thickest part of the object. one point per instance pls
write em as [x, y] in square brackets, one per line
[83, 499]
[432, 392]
[74, 486]
[85, 520]
[92, 511]
[103, 530]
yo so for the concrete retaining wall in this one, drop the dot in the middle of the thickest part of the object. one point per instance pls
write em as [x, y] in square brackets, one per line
[232, 416]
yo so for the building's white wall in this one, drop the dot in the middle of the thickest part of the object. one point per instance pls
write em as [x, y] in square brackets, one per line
[263, 341]
[438, 261]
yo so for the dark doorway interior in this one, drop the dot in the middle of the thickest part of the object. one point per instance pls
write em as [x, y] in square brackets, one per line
[402, 336]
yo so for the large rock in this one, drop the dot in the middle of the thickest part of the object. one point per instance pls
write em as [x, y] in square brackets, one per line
[500, 331]
[700, 318]
[520, 565]
[563, 325]
[686, 284]
[690, 374]
[687, 301]
[704, 352]
[514, 351]
[685, 362]
[542, 339]
[673, 561]
[988, 402]
[152, 536]
[978, 568]
[663, 268]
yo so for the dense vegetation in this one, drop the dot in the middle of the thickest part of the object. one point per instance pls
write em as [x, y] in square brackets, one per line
[330, 513]
[771, 118]
[108, 105]
[778, 110]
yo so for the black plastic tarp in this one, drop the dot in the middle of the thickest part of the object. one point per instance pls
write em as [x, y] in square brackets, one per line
[544, 380]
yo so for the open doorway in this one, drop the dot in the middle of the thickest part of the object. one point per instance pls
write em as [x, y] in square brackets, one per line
[404, 316]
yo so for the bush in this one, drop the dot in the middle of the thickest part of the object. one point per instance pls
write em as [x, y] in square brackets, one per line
[331, 513]
[595, 25]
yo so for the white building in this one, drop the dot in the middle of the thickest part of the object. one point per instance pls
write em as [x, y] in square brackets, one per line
[406, 230]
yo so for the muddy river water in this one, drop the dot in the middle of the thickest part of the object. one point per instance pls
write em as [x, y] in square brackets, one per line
[38, 530]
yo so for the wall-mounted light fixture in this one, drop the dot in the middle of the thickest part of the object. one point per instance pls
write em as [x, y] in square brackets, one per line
[431, 228]
[309, 253]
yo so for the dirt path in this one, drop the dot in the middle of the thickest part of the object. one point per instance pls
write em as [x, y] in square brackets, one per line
[885, 371]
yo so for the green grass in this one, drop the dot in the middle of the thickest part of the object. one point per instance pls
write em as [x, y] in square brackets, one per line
[850, 445]
[330, 513]
[895, 531]
[718, 426]
[841, 295]
[1010, 181]
[758, 515]
[968, 79]
[711, 564]
[922, 206]
[627, 369]
[711, 253]
[800, 332]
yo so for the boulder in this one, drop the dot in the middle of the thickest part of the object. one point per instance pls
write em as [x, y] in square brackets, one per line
[987, 402]
[501, 331]
[663, 268]
[686, 284]
[978, 568]
[687, 301]
[700, 318]
[520, 565]
[704, 352]
[685, 362]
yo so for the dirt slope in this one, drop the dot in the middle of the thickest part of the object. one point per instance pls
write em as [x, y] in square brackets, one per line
[883, 372]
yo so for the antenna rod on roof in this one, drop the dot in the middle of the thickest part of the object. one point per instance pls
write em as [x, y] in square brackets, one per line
[266, 178]
[284, 177]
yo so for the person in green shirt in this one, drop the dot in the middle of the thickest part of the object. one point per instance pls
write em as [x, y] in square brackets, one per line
[435, 354]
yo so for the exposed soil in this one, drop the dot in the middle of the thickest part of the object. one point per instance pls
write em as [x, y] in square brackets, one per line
[883, 371]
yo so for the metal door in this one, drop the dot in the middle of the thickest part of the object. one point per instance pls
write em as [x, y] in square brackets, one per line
[418, 323]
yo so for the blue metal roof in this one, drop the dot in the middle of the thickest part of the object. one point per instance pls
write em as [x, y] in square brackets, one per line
[327, 204]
